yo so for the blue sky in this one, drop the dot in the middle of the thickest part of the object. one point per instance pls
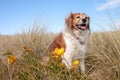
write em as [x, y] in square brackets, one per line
[16, 15]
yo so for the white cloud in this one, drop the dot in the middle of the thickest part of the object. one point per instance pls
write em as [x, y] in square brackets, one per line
[109, 4]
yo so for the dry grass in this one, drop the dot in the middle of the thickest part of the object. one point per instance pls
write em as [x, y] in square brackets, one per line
[102, 58]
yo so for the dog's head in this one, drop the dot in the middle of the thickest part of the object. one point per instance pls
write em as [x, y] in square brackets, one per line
[78, 21]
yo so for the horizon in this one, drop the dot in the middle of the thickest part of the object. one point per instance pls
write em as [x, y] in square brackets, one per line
[19, 15]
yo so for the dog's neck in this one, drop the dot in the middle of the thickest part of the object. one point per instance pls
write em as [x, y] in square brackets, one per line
[76, 34]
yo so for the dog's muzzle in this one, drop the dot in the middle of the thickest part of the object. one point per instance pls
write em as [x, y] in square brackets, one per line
[81, 26]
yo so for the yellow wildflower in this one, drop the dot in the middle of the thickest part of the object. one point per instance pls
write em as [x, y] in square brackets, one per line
[14, 57]
[27, 49]
[75, 64]
[11, 59]
[58, 52]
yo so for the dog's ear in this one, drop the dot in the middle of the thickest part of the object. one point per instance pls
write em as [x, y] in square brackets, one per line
[89, 23]
[68, 20]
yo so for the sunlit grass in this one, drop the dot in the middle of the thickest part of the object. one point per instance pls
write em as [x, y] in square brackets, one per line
[102, 58]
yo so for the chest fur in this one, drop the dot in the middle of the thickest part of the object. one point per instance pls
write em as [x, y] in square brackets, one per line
[75, 47]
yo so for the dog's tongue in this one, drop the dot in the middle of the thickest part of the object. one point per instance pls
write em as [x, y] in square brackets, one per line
[82, 27]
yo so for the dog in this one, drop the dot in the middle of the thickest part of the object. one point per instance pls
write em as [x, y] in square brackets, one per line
[73, 39]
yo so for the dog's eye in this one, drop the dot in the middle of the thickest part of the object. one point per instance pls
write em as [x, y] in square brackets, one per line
[86, 17]
[78, 17]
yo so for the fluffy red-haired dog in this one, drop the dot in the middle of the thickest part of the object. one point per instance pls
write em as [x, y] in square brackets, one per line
[73, 39]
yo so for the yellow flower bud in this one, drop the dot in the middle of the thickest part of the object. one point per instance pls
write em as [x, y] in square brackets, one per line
[11, 59]
[76, 62]
[56, 57]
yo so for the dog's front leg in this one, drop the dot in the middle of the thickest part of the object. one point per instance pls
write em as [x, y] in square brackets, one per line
[82, 65]
[67, 61]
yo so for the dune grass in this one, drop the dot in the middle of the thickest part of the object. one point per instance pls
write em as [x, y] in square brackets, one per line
[102, 58]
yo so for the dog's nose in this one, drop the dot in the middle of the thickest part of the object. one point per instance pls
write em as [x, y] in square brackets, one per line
[84, 20]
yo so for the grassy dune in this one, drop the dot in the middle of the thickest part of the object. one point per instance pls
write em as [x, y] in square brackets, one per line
[102, 58]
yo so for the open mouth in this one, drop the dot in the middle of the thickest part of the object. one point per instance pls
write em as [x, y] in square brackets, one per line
[81, 26]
